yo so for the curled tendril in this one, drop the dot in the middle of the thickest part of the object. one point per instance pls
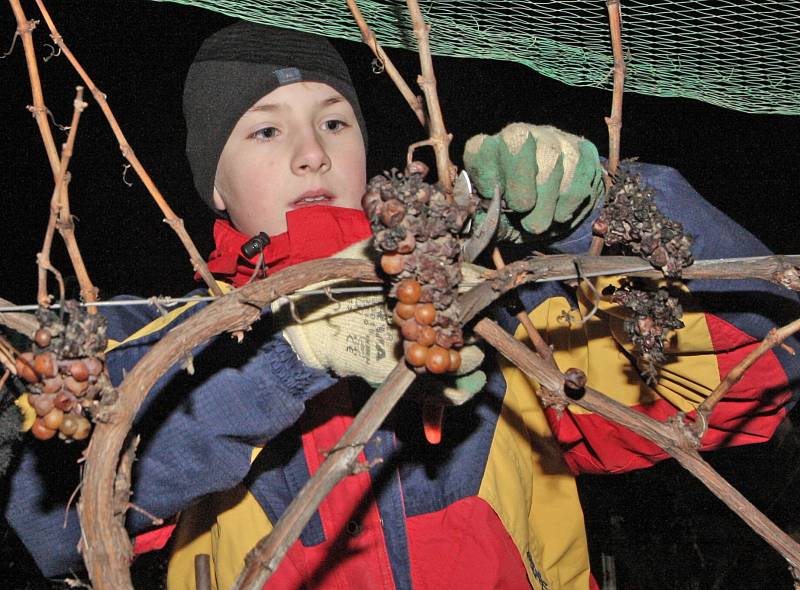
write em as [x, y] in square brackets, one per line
[125, 168]
[55, 51]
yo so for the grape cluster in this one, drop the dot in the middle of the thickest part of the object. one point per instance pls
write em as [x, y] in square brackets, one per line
[632, 219]
[64, 372]
[416, 227]
[654, 314]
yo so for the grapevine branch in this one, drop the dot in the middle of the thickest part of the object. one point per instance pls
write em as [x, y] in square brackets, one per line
[614, 122]
[60, 216]
[24, 323]
[775, 337]
[368, 36]
[106, 560]
[39, 109]
[439, 138]
[175, 222]
[779, 269]
[202, 571]
[265, 557]
[663, 434]
[66, 226]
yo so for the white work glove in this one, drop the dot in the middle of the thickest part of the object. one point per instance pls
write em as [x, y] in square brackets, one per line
[353, 335]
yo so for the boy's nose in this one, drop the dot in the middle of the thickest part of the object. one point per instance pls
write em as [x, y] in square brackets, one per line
[310, 156]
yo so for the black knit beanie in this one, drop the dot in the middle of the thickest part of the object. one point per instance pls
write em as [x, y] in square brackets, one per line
[234, 68]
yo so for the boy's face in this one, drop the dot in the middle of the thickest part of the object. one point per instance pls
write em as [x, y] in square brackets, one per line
[298, 146]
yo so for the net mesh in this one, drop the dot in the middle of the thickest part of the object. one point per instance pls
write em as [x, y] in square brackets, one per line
[742, 55]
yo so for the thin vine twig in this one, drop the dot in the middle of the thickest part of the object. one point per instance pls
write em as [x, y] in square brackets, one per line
[66, 225]
[775, 337]
[59, 215]
[439, 138]
[368, 36]
[25, 29]
[265, 557]
[175, 222]
[539, 344]
[614, 122]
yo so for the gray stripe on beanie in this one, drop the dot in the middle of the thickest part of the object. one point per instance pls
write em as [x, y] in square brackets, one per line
[237, 66]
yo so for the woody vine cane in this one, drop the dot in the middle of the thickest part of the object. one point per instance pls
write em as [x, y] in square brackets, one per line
[106, 552]
[25, 26]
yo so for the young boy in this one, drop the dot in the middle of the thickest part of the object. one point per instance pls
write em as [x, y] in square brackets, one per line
[276, 143]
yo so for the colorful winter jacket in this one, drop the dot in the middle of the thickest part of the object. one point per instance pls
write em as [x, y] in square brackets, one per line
[494, 505]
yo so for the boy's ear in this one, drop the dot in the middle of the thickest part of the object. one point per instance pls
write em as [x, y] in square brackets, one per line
[218, 202]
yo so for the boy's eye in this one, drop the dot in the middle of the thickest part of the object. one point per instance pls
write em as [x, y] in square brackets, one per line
[334, 125]
[265, 134]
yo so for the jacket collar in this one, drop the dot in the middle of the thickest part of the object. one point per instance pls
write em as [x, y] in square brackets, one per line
[312, 232]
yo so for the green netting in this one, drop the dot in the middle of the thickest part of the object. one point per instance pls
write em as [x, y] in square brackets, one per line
[742, 55]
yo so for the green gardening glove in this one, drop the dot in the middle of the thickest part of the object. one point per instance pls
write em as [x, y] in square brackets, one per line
[544, 173]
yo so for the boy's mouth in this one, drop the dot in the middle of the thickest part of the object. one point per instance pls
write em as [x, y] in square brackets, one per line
[313, 197]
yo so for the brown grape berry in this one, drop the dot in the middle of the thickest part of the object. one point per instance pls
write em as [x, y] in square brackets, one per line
[84, 426]
[392, 212]
[42, 338]
[95, 365]
[52, 384]
[40, 431]
[25, 371]
[438, 360]
[426, 336]
[455, 360]
[405, 310]
[425, 313]
[53, 418]
[392, 264]
[79, 371]
[45, 364]
[408, 291]
[77, 388]
[410, 330]
[416, 354]
[407, 244]
[64, 401]
[42, 404]
[69, 425]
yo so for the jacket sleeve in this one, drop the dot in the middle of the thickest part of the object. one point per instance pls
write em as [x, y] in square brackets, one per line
[197, 431]
[724, 321]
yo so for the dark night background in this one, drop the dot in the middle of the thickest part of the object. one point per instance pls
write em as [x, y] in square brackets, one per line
[664, 529]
